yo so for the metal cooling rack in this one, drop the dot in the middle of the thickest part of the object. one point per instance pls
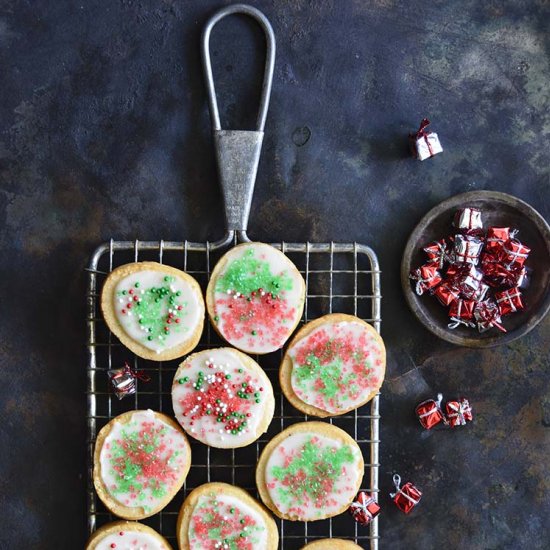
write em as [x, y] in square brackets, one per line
[341, 278]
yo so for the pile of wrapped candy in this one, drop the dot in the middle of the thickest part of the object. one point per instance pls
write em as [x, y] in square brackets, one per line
[478, 276]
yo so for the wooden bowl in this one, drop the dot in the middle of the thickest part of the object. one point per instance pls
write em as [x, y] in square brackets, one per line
[499, 210]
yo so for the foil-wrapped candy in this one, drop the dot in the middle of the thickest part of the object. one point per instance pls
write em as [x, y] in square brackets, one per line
[437, 253]
[364, 508]
[509, 301]
[467, 249]
[468, 219]
[446, 293]
[424, 144]
[123, 380]
[461, 312]
[429, 412]
[406, 497]
[496, 237]
[513, 254]
[459, 412]
[426, 277]
[487, 316]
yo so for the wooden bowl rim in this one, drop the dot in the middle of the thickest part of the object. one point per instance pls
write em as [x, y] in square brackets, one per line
[457, 201]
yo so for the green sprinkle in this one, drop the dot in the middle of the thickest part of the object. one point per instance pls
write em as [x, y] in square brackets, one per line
[149, 338]
[181, 381]
[253, 333]
[216, 318]
[232, 511]
[227, 376]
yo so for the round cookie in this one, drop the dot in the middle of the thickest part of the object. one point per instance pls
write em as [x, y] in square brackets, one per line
[155, 310]
[332, 544]
[223, 398]
[221, 516]
[126, 535]
[255, 298]
[310, 471]
[333, 365]
[141, 460]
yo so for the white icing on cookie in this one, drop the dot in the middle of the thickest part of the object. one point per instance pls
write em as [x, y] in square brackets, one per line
[336, 366]
[258, 298]
[130, 540]
[309, 476]
[218, 399]
[223, 521]
[158, 310]
[141, 460]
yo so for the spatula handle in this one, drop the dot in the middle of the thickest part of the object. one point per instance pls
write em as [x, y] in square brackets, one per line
[238, 151]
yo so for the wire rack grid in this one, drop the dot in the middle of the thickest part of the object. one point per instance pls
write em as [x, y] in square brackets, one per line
[343, 278]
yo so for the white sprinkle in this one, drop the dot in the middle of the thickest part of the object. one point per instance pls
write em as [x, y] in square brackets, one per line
[120, 301]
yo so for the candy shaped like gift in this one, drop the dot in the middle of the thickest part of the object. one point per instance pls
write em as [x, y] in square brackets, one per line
[509, 301]
[426, 277]
[429, 412]
[123, 380]
[468, 219]
[364, 508]
[459, 412]
[406, 497]
[424, 144]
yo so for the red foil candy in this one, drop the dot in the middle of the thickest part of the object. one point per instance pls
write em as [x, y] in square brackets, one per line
[461, 312]
[429, 412]
[364, 508]
[468, 218]
[467, 249]
[496, 237]
[459, 412]
[406, 497]
[437, 253]
[513, 254]
[509, 301]
[426, 277]
[446, 293]
[487, 315]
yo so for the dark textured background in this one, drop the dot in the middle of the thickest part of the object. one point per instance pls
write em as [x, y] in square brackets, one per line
[105, 133]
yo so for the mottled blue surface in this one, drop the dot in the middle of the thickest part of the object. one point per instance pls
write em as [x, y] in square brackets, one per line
[105, 133]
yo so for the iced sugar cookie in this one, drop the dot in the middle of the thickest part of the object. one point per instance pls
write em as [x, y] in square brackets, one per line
[255, 297]
[333, 365]
[218, 516]
[155, 310]
[332, 544]
[141, 460]
[310, 471]
[223, 398]
[126, 535]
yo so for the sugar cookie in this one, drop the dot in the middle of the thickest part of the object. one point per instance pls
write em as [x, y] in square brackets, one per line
[255, 298]
[310, 471]
[221, 516]
[223, 398]
[126, 535]
[155, 310]
[141, 460]
[333, 365]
